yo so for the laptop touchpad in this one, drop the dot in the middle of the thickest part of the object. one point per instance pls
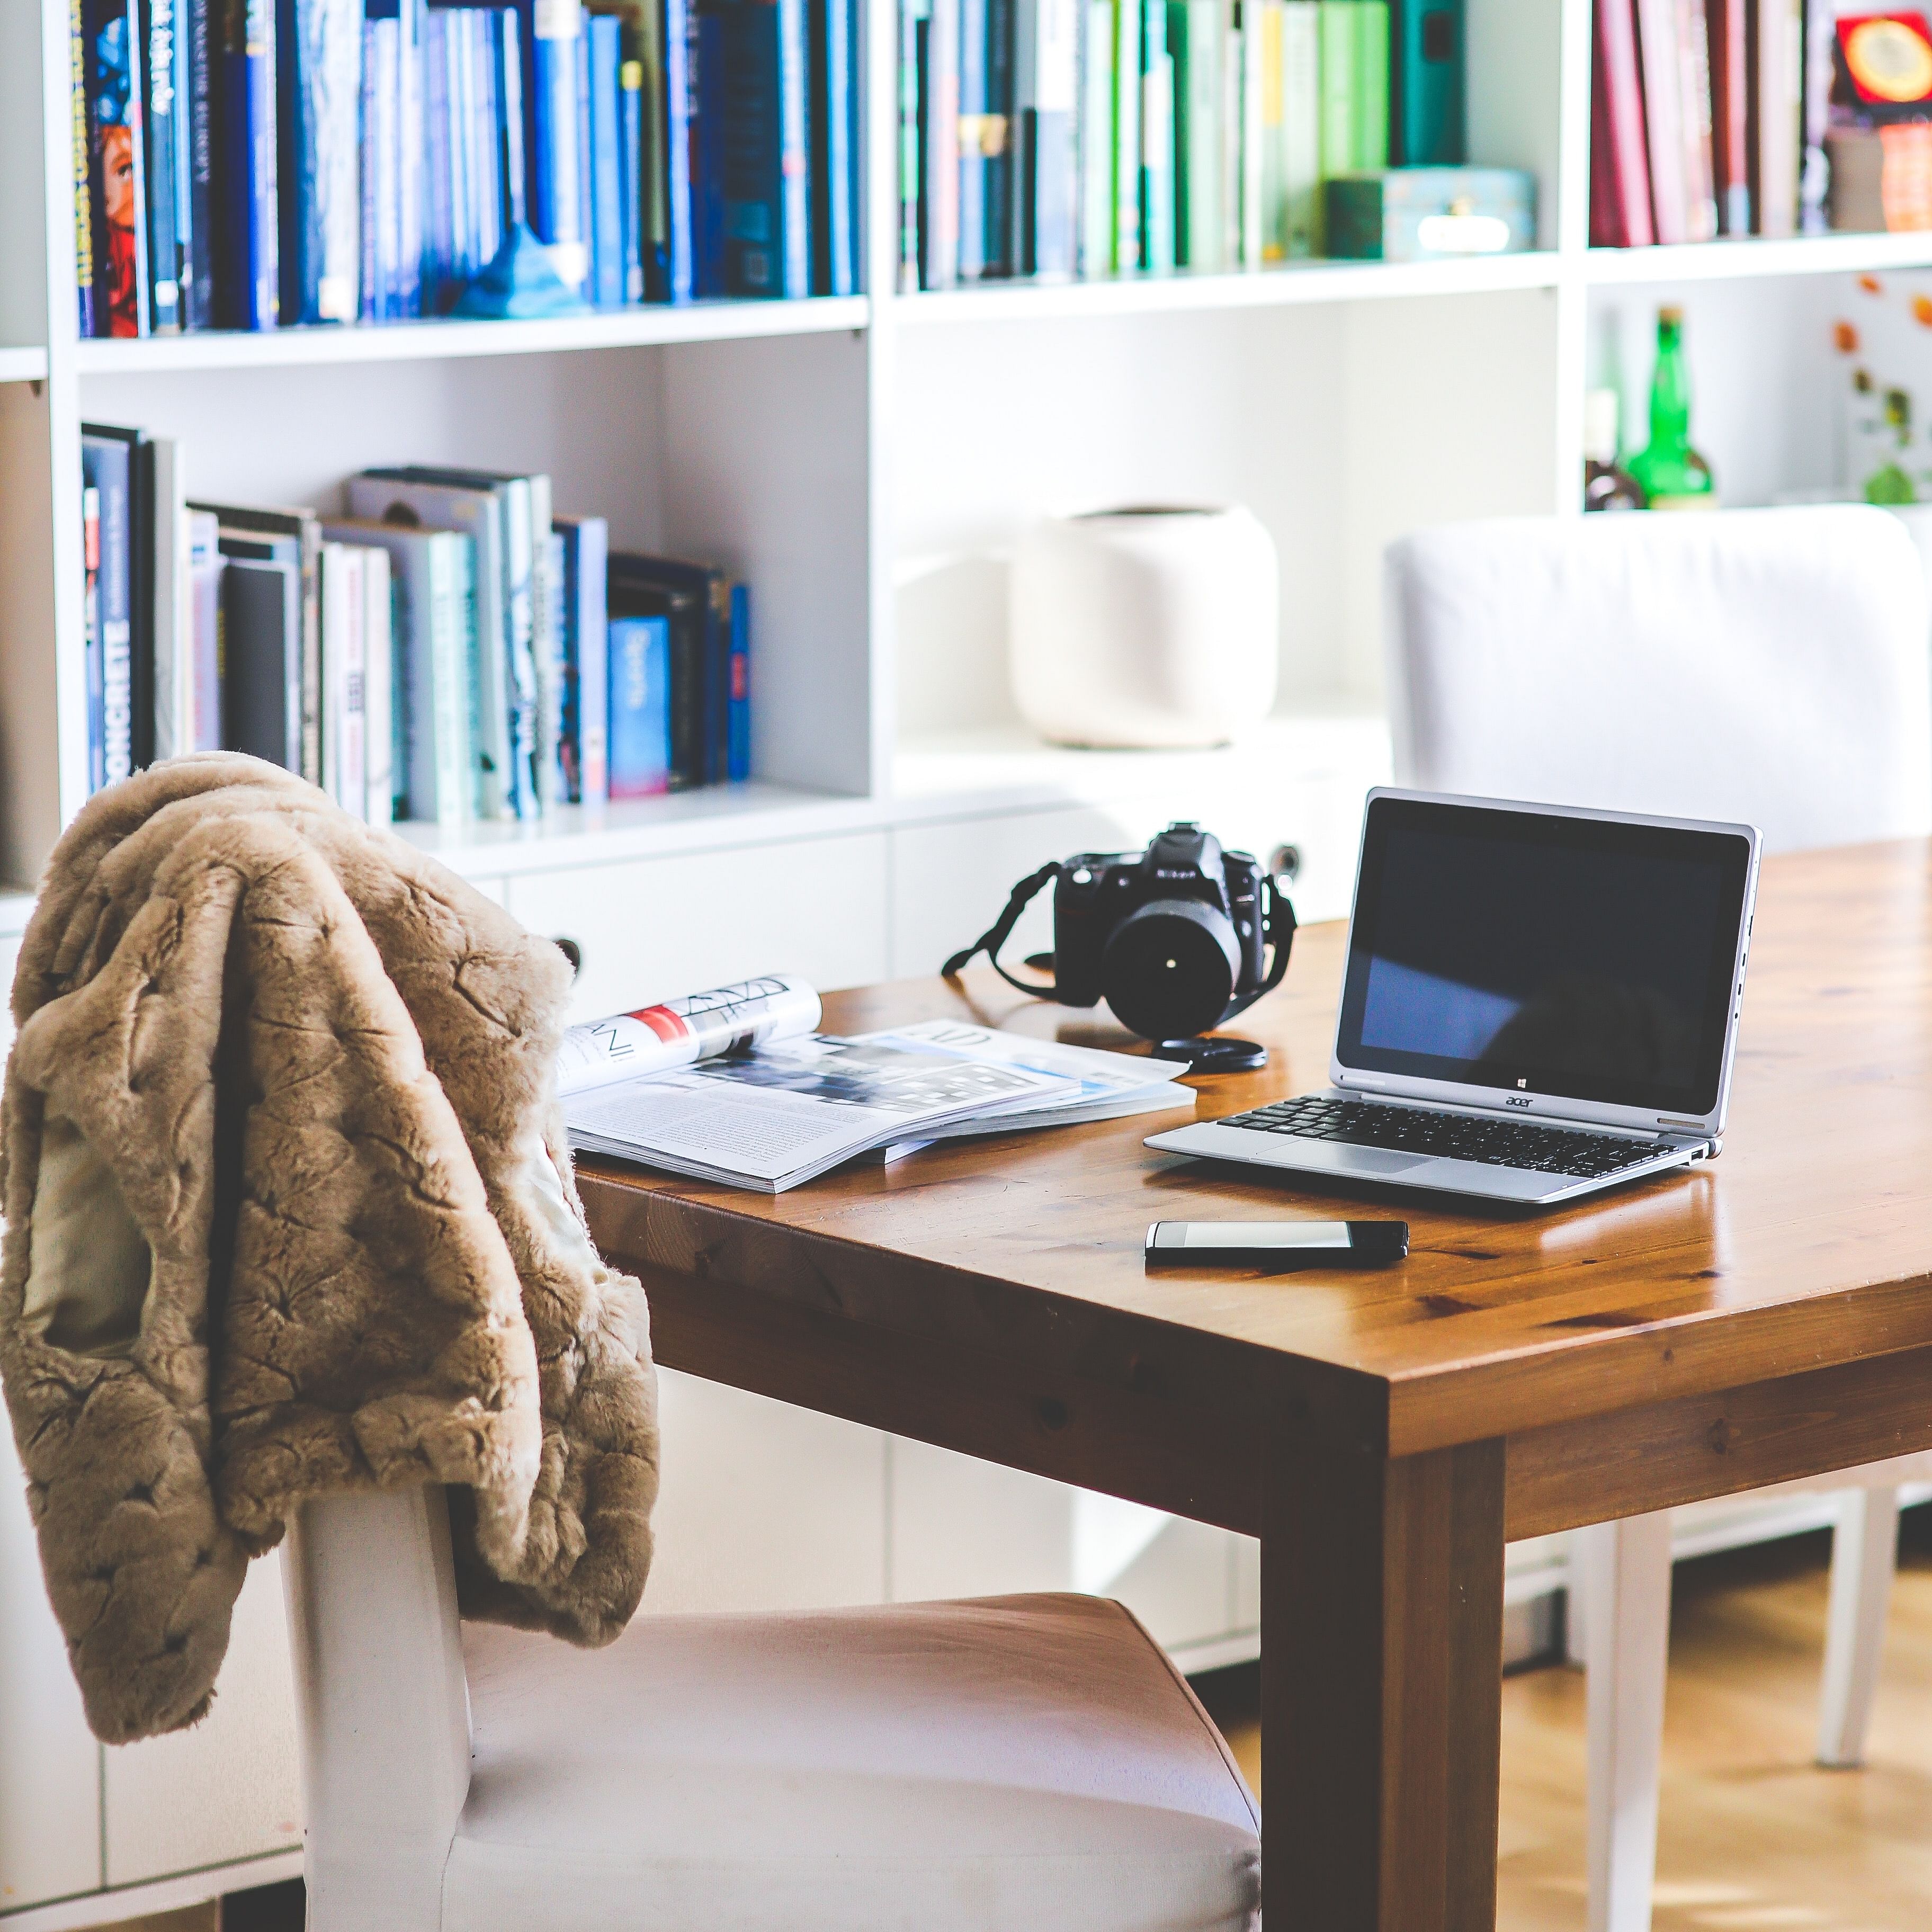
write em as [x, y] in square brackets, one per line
[1373, 1160]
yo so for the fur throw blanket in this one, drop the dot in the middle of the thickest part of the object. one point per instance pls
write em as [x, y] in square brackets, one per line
[289, 1210]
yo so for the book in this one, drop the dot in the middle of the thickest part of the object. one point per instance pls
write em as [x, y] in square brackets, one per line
[162, 131]
[248, 242]
[1428, 84]
[832, 116]
[584, 591]
[171, 731]
[1045, 82]
[738, 724]
[90, 544]
[587, 197]
[344, 677]
[301, 530]
[640, 747]
[764, 165]
[1301, 126]
[1158, 183]
[1730, 114]
[608, 225]
[1661, 58]
[1776, 54]
[261, 630]
[940, 254]
[687, 596]
[118, 172]
[107, 470]
[1096, 146]
[551, 32]
[1336, 57]
[912, 23]
[1126, 130]
[432, 590]
[1249, 40]
[997, 171]
[975, 122]
[378, 804]
[633, 190]
[80, 139]
[1369, 79]
[402, 495]
[1699, 169]
[680, 240]
[318, 52]
[205, 572]
[199, 57]
[1620, 209]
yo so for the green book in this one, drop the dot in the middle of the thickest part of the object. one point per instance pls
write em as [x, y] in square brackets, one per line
[1338, 50]
[1194, 32]
[1096, 142]
[1301, 125]
[1371, 84]
[1126, 136]
[1157, 173]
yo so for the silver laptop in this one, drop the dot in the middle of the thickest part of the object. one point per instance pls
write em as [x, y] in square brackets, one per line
[1538, 1004]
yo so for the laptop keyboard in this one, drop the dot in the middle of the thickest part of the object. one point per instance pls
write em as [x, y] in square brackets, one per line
[1453, 1136]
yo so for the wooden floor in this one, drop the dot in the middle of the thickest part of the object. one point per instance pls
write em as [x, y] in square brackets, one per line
[1753, 1836]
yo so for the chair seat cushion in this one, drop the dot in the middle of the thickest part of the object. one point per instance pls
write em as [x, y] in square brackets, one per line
[1026, 1762]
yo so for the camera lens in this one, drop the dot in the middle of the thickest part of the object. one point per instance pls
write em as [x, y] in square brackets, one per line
[1170, 968]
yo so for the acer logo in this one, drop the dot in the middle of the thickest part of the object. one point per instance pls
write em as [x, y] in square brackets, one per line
[1516, 1099]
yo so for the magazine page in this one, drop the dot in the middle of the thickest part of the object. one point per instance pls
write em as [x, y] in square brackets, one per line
[795, 1107]
[1099, 1077]
[679, 1032]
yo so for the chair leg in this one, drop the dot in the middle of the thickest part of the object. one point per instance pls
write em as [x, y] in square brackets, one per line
[1626, 1568]
[1864, 1552]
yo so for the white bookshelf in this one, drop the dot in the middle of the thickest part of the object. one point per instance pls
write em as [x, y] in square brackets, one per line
[869, 465]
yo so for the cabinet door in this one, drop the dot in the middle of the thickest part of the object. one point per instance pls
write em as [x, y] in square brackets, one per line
[229, 1789]
[655, 928]
[49, 1764]
[764, 1507]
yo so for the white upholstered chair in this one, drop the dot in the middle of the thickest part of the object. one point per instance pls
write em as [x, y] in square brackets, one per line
[1767, 665]
[1014, 1762]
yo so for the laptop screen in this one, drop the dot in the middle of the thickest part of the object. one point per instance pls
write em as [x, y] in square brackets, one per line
[1575, 957]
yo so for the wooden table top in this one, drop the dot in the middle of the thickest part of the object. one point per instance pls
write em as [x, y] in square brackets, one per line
[1806, 1243]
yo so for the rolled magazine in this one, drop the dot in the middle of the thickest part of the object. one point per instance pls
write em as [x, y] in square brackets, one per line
[680, 1033]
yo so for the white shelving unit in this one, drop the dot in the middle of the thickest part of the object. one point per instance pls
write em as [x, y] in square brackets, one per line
[868, 464]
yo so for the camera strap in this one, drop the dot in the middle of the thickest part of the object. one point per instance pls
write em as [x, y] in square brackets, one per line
[1278, 928]
[996, 934]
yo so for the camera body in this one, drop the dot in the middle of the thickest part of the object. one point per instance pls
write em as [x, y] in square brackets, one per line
[1172, 938]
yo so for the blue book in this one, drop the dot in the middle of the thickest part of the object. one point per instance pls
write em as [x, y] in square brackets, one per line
[711, 80]
[161, 133]
[607, 223]
[319, 57]
[370, 308]
[411, 22]
[586, 222]
[486, 140]
[630, 175]
[767, 174]
[974, 106]
[584, 582]
[107, 466]
[639, 706]
[680, 245]
[459, 89]
[738, 731]
[198, 62]
[438, 246]
[551, 31]
[510, 119]
[834, 253]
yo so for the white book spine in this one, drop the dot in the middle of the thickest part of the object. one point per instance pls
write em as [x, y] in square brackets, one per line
[337, 617]
[1663, 108]
[174, 608]
[1301, 125]
[1253, 50]
[378, 691]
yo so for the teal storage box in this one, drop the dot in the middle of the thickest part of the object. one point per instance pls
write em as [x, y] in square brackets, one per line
[1430, 215]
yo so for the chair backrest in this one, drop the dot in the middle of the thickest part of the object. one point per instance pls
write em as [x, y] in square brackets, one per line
[1765, 665]
[382, 1705]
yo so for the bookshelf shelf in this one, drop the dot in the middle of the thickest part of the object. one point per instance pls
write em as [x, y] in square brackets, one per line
[1721, 261]
[441, 341]
[23, 365]
[1305, 282]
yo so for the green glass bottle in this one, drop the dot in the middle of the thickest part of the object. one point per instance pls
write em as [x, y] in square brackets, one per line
[1671, 474]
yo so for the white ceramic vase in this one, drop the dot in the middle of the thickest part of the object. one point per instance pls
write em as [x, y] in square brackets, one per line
[1154, 627]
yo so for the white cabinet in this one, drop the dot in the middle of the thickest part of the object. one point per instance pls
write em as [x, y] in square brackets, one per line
[763, 1507]
[655, 928]
[49, 1764]
[228, 1789]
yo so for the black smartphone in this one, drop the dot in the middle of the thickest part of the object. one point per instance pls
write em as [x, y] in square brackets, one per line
[1276, 1244]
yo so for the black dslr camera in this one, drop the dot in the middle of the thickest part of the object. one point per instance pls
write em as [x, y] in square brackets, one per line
[1175, 939]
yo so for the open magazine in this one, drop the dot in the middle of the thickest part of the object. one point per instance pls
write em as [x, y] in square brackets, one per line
[733, 1086]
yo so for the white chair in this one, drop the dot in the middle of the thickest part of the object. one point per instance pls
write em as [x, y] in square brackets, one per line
[1768, 665]
[1014, 1762]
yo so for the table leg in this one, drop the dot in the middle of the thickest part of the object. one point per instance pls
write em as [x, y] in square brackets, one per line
[1381, 1666]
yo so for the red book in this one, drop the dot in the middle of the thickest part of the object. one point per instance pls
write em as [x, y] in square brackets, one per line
[1658, 21]
[1730, 112]
[1620, 214]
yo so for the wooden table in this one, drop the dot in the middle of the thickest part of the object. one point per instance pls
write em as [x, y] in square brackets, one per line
[1766, 1316]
